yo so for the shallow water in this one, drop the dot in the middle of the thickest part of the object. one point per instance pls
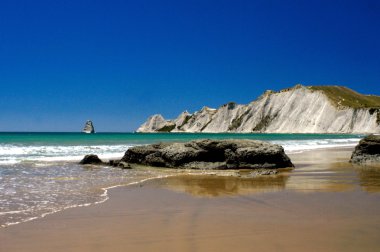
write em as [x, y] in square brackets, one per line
[29, 192]
[39, 173]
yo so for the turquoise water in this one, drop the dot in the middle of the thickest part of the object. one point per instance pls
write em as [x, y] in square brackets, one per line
[47, 147]
[39, 172]
[142, 138]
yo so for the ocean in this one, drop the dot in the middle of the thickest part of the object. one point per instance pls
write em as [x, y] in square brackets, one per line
[40, 174]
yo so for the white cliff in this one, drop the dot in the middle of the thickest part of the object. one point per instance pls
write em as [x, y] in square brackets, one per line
[320, 109]
[198, 121]
[181, 120]
[154, 123]
[223, 118]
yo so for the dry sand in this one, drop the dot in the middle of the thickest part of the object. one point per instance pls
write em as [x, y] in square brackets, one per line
[325, 204]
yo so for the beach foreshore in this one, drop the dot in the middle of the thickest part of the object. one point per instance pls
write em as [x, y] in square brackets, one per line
[324, 204]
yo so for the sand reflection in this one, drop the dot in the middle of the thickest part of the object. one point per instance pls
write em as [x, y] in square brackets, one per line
[331, 171]
[213, 186]
[315, 171]
[369, 177]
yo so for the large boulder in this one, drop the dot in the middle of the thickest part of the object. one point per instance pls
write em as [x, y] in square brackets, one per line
[210, 154]
[367, 151]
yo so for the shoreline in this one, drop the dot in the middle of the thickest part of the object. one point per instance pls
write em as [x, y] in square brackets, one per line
[134, 216]
[105, 190]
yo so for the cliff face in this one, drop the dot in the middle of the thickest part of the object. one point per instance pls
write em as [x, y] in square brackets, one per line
[155, 123]
[315, 109]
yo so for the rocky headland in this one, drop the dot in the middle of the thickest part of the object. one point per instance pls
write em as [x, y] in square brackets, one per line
[367, 151]
[301, 109]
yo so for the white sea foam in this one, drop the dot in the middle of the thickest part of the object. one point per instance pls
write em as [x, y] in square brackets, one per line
[13, 154]
[295, 146]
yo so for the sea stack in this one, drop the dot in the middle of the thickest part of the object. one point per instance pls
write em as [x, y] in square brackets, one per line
[88, 128]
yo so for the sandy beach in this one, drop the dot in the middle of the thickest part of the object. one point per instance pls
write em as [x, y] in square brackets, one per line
[324, 204]
[189, 126]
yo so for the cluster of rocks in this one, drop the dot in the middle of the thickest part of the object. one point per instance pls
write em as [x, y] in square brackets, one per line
[224, 154]
[95, 160]
[210, 154]
[367, 151]
[204, 154]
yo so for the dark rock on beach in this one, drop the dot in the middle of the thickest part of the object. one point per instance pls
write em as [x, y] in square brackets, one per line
[367, 151]
[124, 165]
[120, 164]
[210, 154]
[91, 159]
[95, 160]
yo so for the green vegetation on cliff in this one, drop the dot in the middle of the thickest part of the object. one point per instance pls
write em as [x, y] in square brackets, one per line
[345, 97]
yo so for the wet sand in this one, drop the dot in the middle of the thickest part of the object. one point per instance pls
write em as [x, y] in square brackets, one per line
[324, 204]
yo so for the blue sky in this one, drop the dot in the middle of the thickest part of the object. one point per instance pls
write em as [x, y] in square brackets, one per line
[117, 62]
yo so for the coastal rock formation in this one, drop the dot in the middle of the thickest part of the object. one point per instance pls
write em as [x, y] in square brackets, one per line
[120, 164]
[210, 154]
[301, 109]
[88, 127]
[91, 159]
[367, 151]
[157, 123]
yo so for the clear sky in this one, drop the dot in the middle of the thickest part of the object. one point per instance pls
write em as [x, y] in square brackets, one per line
[117, 62]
